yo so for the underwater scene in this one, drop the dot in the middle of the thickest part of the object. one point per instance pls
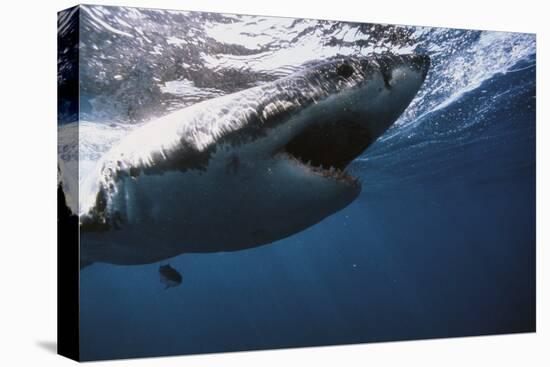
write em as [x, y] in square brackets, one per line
[250, 182]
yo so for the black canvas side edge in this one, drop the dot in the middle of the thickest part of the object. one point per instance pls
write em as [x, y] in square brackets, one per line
[68, 268]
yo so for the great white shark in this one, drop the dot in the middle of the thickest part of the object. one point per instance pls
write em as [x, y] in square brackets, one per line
[245, 169]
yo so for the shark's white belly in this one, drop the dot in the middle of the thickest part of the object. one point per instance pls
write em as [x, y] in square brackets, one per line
[232, 205]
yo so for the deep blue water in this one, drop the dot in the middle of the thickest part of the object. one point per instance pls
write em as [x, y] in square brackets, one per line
[440, 243]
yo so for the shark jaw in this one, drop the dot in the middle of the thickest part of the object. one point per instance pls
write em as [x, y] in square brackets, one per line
[333, 132]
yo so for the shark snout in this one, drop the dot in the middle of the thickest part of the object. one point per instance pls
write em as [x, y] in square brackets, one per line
[390, 64]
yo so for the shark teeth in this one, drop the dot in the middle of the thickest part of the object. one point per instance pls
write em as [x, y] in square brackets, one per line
[329, 172]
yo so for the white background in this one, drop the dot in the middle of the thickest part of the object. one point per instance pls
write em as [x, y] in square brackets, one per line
[28, 183]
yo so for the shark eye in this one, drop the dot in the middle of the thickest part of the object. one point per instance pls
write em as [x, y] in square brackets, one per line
[344, 70]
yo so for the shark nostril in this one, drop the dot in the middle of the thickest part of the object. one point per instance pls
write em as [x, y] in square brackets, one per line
[344, 70]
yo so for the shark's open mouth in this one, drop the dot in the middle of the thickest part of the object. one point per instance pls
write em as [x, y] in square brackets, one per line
[328, 148]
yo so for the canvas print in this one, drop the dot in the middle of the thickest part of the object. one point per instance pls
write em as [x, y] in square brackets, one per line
[238, 182]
